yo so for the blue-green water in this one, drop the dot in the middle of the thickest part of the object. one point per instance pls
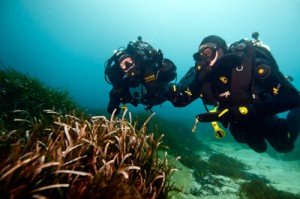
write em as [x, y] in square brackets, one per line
[66, 42]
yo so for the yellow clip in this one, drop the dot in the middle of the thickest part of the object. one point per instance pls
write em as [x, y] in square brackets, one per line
[223, 79]
[219, 133]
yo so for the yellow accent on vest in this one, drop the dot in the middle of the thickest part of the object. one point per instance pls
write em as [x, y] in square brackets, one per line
[223, 79]
[132, 74]
[223, 112]
[149, 78]
[214, 110]
[174, 88]
[199, 67]
[261, 71]
[188, 93]
[275, 91]
[243, 110]
[201, 95]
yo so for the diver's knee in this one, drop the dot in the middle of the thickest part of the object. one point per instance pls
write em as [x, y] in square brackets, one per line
[259, 148]
[294, 115]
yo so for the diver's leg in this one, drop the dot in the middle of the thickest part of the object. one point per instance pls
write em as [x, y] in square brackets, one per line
[279, 137]
[116, 97]
[284, 132]
[250, 136]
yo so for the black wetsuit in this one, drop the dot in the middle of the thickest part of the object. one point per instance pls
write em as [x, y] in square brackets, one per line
[252, 80]
[146, 84]
[266, 91]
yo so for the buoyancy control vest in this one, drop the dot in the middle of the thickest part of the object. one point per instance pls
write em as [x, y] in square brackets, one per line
[235, 76]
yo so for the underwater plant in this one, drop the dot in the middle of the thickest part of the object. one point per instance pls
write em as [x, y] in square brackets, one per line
[220, 164]
[19, 91]
[206, 172]
[23, 101]
[179, 138]
[79, 158]
[258, 189]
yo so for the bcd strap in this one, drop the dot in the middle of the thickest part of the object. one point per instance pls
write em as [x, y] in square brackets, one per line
[242, 76]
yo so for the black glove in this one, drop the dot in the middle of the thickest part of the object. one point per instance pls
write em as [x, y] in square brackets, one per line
[208, 117]
[232, 114]
[134, 102]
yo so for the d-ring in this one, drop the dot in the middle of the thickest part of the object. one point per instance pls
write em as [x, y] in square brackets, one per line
[240, 68]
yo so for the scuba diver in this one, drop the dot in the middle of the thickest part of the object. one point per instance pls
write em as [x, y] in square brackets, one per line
[139, 74]
[246, 85]
[195, 82]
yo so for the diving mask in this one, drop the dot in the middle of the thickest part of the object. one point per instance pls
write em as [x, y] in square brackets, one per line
[126, 62]
[207, 54]
[208, 51]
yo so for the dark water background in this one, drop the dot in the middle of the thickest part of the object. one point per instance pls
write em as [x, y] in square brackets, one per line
[66, 42]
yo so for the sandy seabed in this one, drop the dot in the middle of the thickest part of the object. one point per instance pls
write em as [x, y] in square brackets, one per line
[283, 175]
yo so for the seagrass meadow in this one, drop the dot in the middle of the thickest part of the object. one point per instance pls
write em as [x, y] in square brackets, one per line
[62, 153]
[86, 159]
[51, 147]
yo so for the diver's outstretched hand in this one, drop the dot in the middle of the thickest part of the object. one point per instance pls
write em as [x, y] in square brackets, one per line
[208, 117]
[232, 114]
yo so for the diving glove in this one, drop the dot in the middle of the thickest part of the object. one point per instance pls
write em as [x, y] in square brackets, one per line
[208, 117]
[232, 114]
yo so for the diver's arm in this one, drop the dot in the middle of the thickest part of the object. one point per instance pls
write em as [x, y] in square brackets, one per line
[118, 96]
[276, 95]
[186, 91]
[114, 103]
[183, 98]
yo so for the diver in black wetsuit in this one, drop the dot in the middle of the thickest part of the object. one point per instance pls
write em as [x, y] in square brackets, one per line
[245, 83]
[139, 74]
